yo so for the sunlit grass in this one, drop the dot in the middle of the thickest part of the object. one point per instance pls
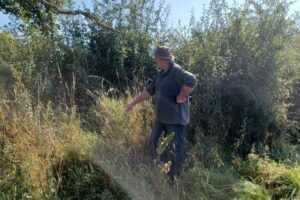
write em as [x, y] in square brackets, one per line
[33, 140]
[280, 180]
[49, 153]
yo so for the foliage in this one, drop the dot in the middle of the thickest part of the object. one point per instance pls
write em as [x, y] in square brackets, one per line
[33, 140]
[32, 12]
[241, 62]
[250, 190]
[281, 181]
[63, 132]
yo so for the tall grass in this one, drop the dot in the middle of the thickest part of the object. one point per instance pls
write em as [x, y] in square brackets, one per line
[124, 152]
[210, 170]
[48, 152]
[36, 142]
[281, 181]
[124, 149]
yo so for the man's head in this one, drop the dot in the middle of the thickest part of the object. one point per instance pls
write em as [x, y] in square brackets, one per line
[163, 56]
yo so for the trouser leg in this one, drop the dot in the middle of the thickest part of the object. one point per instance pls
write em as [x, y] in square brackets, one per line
[156, 132]
[175, 151]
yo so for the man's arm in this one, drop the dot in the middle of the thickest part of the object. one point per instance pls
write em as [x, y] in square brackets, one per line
[189, 81]
[183, 94]
[141, 97]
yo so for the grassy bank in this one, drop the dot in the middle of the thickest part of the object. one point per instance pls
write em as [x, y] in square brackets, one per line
[52, 153]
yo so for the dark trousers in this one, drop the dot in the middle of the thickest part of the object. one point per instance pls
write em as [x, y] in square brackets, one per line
[175, 150]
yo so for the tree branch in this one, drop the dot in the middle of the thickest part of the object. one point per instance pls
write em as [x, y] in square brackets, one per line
[78, 12]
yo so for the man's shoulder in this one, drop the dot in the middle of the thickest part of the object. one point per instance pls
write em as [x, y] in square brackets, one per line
[181, 69]
[177, 68]
[177, 72]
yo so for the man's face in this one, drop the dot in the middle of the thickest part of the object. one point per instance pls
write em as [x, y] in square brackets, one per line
[159, 62]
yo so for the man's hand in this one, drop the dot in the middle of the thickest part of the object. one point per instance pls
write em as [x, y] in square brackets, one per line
[141, 97]
[181, 99]
[184, 93]
[127, 108]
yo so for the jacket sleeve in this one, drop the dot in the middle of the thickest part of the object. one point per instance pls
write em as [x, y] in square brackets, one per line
[188, 78]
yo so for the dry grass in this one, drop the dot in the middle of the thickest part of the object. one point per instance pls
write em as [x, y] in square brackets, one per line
[46, 154]
[33, 140]
[124, 149]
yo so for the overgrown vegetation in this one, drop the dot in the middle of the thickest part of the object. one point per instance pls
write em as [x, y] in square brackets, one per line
[63, 133]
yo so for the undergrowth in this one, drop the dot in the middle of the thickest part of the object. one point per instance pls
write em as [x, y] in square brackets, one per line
[48, 152]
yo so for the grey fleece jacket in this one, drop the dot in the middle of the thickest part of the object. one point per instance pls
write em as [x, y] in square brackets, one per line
[165, 87]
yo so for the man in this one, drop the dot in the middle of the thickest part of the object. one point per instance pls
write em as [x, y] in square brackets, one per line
[171, 87]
